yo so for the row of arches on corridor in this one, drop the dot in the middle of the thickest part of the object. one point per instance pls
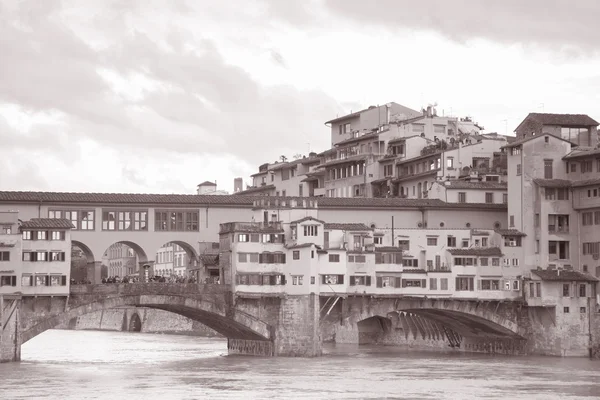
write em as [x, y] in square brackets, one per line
[125, 259]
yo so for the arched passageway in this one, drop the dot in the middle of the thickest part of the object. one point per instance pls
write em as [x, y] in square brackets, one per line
[135, 323]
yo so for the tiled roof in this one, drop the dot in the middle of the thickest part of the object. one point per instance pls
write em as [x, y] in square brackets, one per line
[422, 157]
[351, 115]
[298, 221]
[415, 176]
[338, 161]
[509, 232]
[369, 135]
[256, 189]
[579, 153]
[553, 183]
[207, 183]
[310, 160]
[390, 249]
[401, 139]
[233, 200]
[47, 223]
[303, 245]
[519, 142]
[347, 227]
[121, 198]
[564, 275]
[586, 182]
[209, 259]
[460, 184]
[477, 251]
[563, 119]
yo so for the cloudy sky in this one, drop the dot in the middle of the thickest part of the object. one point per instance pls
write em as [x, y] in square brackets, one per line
[158, 96]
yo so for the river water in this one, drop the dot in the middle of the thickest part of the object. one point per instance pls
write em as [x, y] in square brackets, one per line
[119, 365]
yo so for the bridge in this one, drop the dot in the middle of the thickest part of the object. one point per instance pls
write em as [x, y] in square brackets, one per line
[282, 325]
[145, 222]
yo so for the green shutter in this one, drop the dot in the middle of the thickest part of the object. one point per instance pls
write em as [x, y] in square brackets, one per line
[368, 280]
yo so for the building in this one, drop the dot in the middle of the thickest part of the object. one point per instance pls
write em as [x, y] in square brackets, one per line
[172, 260]
[576, 128]
[384, 151]
[299, 253]
[210, 188]
[120, 260]
[46, 257]
[10, 253]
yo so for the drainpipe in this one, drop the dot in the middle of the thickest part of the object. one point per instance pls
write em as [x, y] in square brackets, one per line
[578, 230]
[40, 209]
[393, 240]
[589, 309]
[206, 218]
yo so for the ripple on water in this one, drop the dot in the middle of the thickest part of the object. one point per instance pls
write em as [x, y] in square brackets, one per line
[113, 365]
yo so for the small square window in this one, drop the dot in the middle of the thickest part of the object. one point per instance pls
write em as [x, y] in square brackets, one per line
[547, 139]
[582, 310]
[566, 310]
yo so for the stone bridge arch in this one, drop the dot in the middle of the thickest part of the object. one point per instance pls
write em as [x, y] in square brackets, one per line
[426, 318]
[231, 323]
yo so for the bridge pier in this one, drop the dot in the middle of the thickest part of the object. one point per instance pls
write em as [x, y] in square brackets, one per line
[10, 328]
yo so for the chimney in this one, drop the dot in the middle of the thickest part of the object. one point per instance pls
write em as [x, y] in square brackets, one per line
[238, 184]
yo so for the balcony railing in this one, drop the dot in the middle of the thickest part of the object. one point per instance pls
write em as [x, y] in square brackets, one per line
[438, 268]
[558, 229]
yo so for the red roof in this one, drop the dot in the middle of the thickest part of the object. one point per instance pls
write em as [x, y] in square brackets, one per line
[232, 200]
[510, 232]
[347, 227]
[460, 184]
[529, 138]
[564, 275]
[562, 119]
[477, 252]
[553, 183]
[47, 223]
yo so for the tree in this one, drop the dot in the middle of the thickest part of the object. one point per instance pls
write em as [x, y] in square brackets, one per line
[283, 158]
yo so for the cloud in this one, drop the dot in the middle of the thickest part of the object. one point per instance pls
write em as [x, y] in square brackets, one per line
[117, 85]
[548, 23]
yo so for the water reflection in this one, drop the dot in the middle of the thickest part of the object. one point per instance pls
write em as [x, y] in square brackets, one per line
[110, 365]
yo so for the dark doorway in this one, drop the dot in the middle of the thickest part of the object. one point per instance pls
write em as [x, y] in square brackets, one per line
[135, 323]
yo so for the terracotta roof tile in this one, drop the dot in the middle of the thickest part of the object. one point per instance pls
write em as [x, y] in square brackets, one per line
[415, 176]
[477, 251]
[553, 183]
[121, 198]
[347, 227]
[563, 119]
[585, 182]
[338, 161]
[579, 153]
[519, 142]
[47, 223]
[207, 183]
[369, 135]
[460, 184]
[209, 259]
[564, 275]
[390, 249]
[298, 221]
[256, 189]
[232, 200]
[509, 232]
[303, 246]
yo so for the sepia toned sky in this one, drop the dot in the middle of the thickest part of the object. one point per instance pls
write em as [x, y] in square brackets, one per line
[158, 96]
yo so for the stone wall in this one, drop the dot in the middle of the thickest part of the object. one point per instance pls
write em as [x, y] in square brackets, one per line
[153, 321]
[10, 334]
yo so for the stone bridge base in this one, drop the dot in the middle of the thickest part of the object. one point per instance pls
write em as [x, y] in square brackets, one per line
[10, 332]
[262, 348]
[509, 328]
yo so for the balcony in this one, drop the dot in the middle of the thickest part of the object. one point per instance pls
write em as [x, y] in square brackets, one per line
[439, 268]
[553, 229]
[259, 227]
